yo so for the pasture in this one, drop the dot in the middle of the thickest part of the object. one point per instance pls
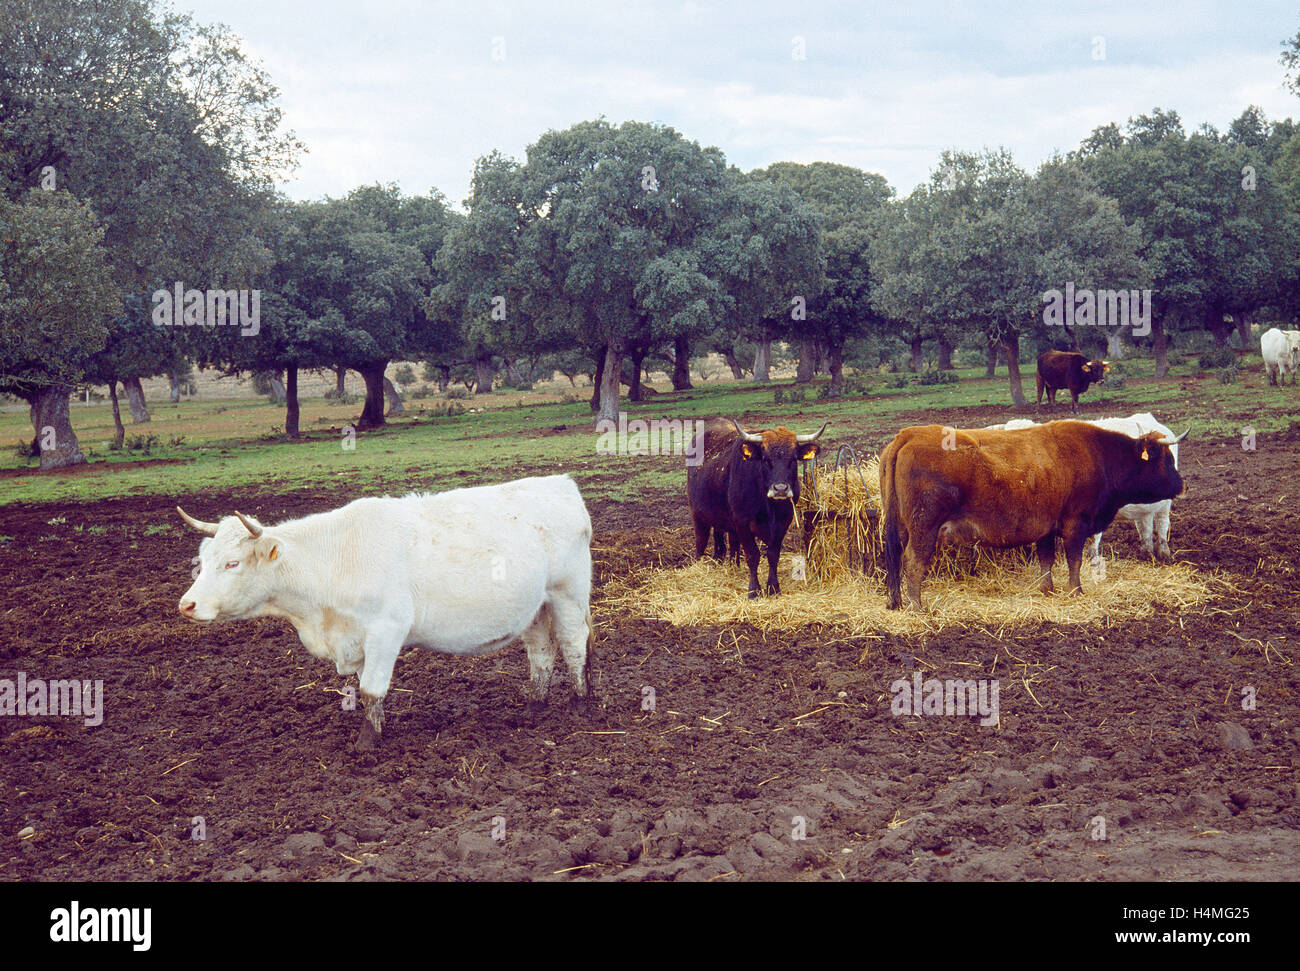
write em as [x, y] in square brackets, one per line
[709, 752]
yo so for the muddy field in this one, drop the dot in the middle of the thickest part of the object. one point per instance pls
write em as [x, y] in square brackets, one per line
[750, 743]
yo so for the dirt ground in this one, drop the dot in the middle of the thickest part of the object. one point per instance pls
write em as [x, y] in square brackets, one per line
[750, 744]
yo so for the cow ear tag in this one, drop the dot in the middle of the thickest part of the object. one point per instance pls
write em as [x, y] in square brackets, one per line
[747, 450]
[808, 451]
[1145, 456]
[268, 549]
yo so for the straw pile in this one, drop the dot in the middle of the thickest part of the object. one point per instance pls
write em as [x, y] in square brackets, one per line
[708, 593]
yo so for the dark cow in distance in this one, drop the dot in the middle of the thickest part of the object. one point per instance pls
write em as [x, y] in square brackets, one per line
[1010, 488]
[1069, 370]
[745, 486]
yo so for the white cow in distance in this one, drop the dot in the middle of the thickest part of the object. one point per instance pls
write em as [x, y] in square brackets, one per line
[1281, 350]
[1151, 519]
[461, 572]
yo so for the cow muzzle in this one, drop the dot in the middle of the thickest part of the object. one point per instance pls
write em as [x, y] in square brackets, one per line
[187, 610]
[780, 490]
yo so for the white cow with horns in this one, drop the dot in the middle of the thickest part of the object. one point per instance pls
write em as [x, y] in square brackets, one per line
[462, 572]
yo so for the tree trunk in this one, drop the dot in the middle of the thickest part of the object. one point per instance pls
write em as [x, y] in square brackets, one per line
[1160, 345]
[444, 377]
[634, 386]
[991, 362]
[1012, 348]
[762, 359]
[729, 355]
[174, 394]
[483, 373]
[918, 358]
[52, 419]
[291, 401]
[807, 362]
[835, 364]
[513, 374]
[395, 406]
[598, 378]
[823, 357]
[372, 413]
[1115, 344]
[119, 432]
[681, 363]
[340, 387]
[1242, 320]
[609, 385]
[945, 354]
[135, 400]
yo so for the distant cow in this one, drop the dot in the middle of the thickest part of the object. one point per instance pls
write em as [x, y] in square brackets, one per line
[1151, 520]
[1069, 370]
[746, 488]
[1011, 488]
[1281, 350]
[461, 572]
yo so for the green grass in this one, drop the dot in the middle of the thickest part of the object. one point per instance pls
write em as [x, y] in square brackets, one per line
[225, 446]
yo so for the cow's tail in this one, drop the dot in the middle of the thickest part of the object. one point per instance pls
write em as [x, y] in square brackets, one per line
[893, 539]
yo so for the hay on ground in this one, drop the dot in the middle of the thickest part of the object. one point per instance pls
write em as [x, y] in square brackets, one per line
[709, 593]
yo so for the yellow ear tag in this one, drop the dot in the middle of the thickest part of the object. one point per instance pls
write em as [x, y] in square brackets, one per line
[1144, 455]
[748, 451]
[275, 550]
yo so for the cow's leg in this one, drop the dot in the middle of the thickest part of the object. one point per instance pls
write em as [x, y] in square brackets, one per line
[570, 630]
[750, 545]
[734, 538]
[1095, 558]
[916, 560]
[1074, 402]
[1074, 543]
[1144, 525]
[1162, 534]
[701, 538]
[773, 555]
[541, 656]
[382, 648]
[1046, 550]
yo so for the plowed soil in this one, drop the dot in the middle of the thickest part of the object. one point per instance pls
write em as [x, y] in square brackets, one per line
[772, 758]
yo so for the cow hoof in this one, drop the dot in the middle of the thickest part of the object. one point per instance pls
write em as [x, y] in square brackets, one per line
[753, 595]
[368, 740]
[1165, 557]
[773, 589]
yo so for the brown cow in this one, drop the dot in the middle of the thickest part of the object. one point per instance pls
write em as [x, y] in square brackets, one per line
[1069, 370]
[1011, 488]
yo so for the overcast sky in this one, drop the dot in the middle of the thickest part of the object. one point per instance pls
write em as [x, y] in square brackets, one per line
[411, 92]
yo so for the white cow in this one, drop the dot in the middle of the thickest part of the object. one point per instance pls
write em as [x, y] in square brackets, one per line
[1281, 350]
[1151, 519]
[462, 572]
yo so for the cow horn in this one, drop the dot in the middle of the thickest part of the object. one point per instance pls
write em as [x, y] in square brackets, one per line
[200, 525]
[251, 526]
[746, 436]
[1175, 441]
[805, 439]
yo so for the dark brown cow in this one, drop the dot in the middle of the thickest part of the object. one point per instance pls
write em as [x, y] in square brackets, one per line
[1069, 370]
[745, 487]
[1011, 488]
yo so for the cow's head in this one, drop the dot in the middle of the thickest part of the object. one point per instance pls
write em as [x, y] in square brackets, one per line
[776, 455]
[1095, 371]
[1154, 474]
[237, 563]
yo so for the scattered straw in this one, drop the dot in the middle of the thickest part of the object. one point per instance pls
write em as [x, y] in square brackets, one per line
[996, 597]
